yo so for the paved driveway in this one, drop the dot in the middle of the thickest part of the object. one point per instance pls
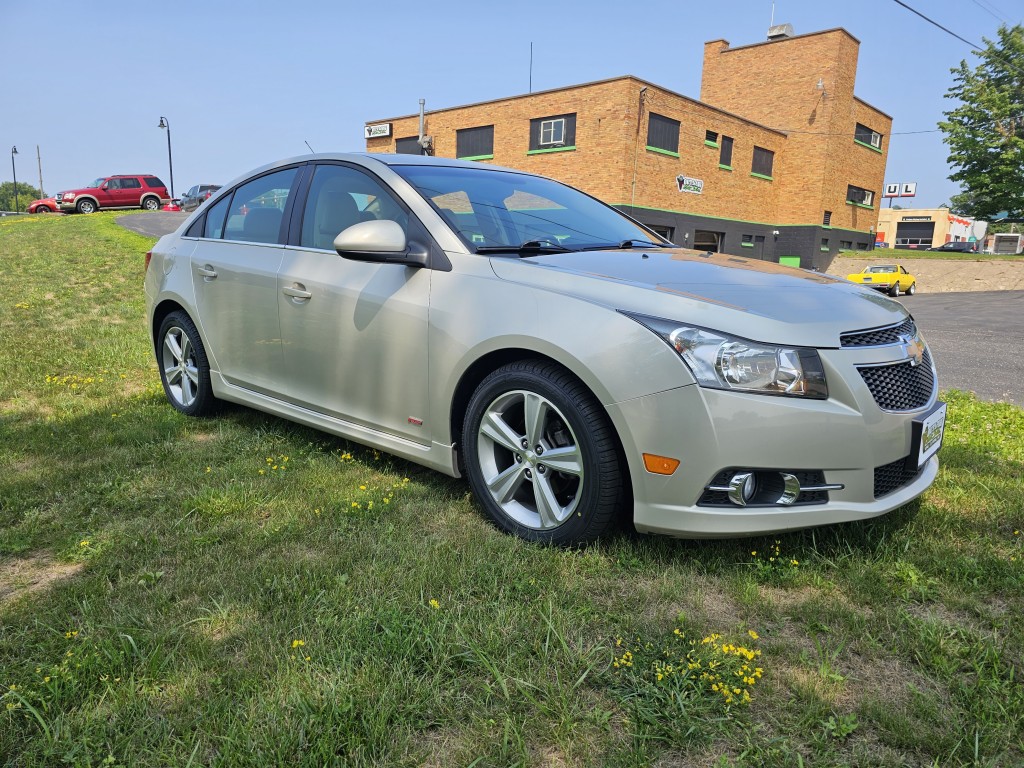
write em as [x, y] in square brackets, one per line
[977, 340]
[152, 223]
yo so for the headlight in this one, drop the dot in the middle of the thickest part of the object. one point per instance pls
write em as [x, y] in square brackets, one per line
[721, 361]
[68, 196]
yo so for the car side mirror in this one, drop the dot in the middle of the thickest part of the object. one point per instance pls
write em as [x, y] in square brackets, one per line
[103, 186]
[380, 241]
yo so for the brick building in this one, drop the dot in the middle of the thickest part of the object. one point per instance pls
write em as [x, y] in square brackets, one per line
[777, 160]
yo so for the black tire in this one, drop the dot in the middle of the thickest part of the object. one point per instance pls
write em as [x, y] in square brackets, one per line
[184, 367]
[151, 204]
[912, 289]
[519, 492]
[86, 206]
[895, 290]
[42, 209]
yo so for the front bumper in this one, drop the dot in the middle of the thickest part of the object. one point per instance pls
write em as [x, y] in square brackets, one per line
[847, 438]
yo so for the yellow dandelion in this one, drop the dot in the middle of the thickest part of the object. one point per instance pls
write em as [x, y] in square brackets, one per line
[753, 634]
[434, 604]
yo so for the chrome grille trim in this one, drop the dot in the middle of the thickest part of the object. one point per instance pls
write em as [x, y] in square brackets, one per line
[879, 337]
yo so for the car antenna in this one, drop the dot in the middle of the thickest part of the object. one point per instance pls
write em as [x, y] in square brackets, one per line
[310, 148]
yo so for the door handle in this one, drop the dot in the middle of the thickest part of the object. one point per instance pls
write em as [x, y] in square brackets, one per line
[297, 292]
[208, 272]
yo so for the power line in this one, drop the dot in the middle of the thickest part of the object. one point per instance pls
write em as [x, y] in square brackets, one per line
[995, 12]
[975, 46]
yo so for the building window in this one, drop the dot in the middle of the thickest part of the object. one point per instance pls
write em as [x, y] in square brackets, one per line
[864, 135]
[846, 245]
[858, 196]
[747, 241]
[824, 243]
[475, 143]
[862, 246]
[408, 146]
[711, 138]
[667, 232]
[663, 134]
[764, 159]
[552, 133]
[826, 220]
[725, 156]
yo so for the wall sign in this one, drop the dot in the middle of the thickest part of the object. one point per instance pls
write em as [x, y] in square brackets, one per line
[686, 184]
[378, 130]
[916, 218]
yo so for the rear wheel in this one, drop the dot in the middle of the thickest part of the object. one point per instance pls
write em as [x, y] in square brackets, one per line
[540, 455]
[86, 206]
[895, 290]
[184, 367]
[912, 289]
[151, 204]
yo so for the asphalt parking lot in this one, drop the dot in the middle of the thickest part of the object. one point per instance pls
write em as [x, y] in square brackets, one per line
[976, 339]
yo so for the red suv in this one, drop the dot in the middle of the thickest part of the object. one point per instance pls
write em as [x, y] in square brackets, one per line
[130, 191]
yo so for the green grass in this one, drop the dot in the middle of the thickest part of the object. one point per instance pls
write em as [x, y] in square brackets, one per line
[244, 591]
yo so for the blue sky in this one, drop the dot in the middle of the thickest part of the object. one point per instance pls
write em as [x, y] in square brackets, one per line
[246, 83]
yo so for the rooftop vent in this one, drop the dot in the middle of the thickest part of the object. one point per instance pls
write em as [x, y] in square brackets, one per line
[780, 31]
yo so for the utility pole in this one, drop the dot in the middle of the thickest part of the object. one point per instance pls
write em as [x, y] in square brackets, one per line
[39, 160]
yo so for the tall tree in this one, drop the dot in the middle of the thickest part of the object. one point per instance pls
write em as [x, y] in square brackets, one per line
[985, 132]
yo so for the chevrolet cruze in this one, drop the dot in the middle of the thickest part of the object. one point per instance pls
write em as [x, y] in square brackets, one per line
[572, 365]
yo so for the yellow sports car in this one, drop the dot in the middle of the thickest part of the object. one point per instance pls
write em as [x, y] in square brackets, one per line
[891, 278]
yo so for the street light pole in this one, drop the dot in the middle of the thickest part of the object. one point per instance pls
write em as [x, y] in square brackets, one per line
[165, 123]
[14, 173]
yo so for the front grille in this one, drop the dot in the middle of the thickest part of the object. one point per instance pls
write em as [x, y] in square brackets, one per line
[721, 499]
[901, 386]
[879, 337]
[892, 477]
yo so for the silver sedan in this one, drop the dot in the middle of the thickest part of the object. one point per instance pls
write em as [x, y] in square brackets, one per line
[574, 366]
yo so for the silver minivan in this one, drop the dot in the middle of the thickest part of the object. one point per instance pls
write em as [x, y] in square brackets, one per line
[574, 366]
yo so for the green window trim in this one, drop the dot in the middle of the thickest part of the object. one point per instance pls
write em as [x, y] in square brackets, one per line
[551, 149]
[747, 245]
[476, 157]
[710, 143]
[762, 176]
[865, 144]
[725, 167]
[823, 248]
[861, 205]
[660, 151]
[826, 226]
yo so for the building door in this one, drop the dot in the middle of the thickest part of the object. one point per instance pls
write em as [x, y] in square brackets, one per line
[759, 247]
[708, 241]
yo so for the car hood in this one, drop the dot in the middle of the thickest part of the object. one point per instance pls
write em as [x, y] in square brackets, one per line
[759, 300]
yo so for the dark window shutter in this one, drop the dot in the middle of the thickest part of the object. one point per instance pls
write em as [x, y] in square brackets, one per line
[764, 159]
[408, 146]
[663, 133]
[474, 142]
[725, 157]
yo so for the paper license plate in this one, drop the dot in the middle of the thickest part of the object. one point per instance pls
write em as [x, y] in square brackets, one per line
[930, 435]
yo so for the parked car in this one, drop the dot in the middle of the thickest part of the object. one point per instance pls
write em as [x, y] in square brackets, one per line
[125, 191]
[44, 205]
[196, 195]
[891, 278]
[570, 363]
[959, 246]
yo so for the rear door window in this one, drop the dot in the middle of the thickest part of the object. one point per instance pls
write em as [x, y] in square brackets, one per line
[257, 208]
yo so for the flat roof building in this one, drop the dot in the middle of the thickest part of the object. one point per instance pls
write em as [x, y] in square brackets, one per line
[777, 160]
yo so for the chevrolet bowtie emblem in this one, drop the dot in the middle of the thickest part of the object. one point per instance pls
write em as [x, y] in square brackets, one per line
[913, 348]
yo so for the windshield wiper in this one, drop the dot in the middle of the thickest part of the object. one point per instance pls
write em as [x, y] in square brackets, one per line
[528, 247]
[625, 245]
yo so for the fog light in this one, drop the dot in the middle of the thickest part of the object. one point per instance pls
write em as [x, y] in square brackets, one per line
[742, 488]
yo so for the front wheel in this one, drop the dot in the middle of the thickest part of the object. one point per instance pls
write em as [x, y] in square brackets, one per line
[86, 206]
[184, 367]
[151, 204]
[912, 289]
[43, 209]
[540, 455]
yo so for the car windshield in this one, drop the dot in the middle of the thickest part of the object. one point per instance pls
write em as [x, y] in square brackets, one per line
[887, 268]
[496, 210]
[96, 183]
